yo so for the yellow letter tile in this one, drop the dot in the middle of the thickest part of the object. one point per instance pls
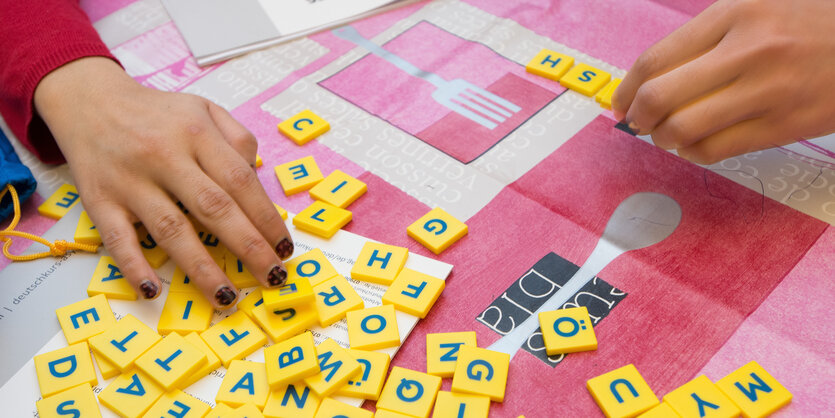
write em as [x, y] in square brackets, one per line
[382, 413]
[220, 411]
[57, 205]
[78, 401]
[303, 127]
[457, 405]
[295, 292]
[299, 175]
[334, 298]
[292, 401]
[604, 97]
[238, 273]
[106, 368]
[291, 360]
[442, 351]
[184, 313]
[585, 79]
[379, 263]
[662, 410]
[567, 331]
[285, 323]
[250, 302]
[86, 232]
[369, 382]
[701, 398]
[481, 372]
[212, 361]
[322, 219]
[414, 292]
[333, 408]
[338, 189]
[247, 410]
[281, 211]
[155, 255]
[336, 366]
[622, 392]
[125, 342]
[312, 265]
[550, 64]
[178, 404]
[180, 283]
[258, 161]
[131, 394]
[234, 338]
[409, 392]
[373, 328]
[170, 361]
[437, 230]
[85, 318]
[108, 280]
[64, 368]
[754, 390]
[245, 382]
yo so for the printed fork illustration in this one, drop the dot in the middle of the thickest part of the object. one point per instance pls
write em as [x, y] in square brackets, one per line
[460, 96]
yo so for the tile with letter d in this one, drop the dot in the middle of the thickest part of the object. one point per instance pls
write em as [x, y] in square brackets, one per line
[237, 273]
[701, 398]
[373, 328]
[409, 392]
[178, 404]
[550, 64]
[64, 368]
[459, 405]
[585, 79]
[78, 402]
[622, 392]
[336, 366]
[322, 219]
[85, 231]
[285, 323]
[155, 255]
[212, 361]
[567, 331]
[312, 265]
[108, 280]
[414, 292]
[292, 401]
[481, 372]
[437, 230]
[184, 313]
[338, 189]
[244, 382]
[60, 202]
[332, 408]
[295, 292]
[85, 318]
[234, 338]
[754, 390]
[171, 361]
[303, 127]
[299, 175]
[291, 360]
[131, 394]
[379, 263]
[442, 351]
[125, 342]
[334, 298]
[368, 383]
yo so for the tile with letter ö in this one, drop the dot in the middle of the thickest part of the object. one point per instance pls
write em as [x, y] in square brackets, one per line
[85, 318]
[585, 79]
[338, 189]
[322, 219]
[293, 293]
[312, 265]
[481, 372]
[171, 361]
[622, 392]
[409, 392]
[244, 382]
[442, 351]
[291, 360]
[373, 328]
[567, 331]
[64, 368]
[701, 398]
[303, 127]
[379, 263]
[414, 292]
[123, 343]
[234, 338]
[299, 175]
[131, 394]
[336, 366]
[59, 203]
[550, 64]
[459, 405]
[184, 313]
[368, 383]
[437, 230]
[333, 408]
[334, 298]
[78, 401]
[109, 281]
[754, 390]
[292, 401]
[178, 404]
[285, 323]
[85, 231]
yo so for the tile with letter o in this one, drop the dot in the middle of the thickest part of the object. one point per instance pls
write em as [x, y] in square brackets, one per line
[585, 79]
[368, 383]
[334, 298]
[109, 281]
[78, 401]
[622, 392]
[303, 127]
[379, 263]
[480, 371]
[373, 328]
[234, 338]
[299, 175]
[131, 394]
[409, 392]
[124, 342]
[85, 318]
[312, 265]
[550, 64]
[60, 202]
[322, 219]
[244, 382]
[64, 368]
[754, 390]
[293, 293]
[414, 292]
[701, 398]
[291, 360]
[567, 331]
[336, 366]
[171, 361]
[178, 404]
[437, 230]
[292, 401]
[212, 361]
[338, 189]
[85, 231]
[184, 313]
[332, 408]
[285, 323]
[459, 405]
[442, 351]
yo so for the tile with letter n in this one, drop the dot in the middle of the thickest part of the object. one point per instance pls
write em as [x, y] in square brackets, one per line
[530, 291]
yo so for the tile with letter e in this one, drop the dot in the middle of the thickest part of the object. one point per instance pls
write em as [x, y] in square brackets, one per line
[155, 255]
[285, 323]
[292, 401]
[754, 390]
[303, 127]
[567, 331]
[299, 175]
[178, 404]
[108, 280]
[604, 96]
[379, 263]
[414, 292]
[459, 405]
[662, 410]
[60, 202]
[184, 313]
[701, 398]
[334, 298]
[244, 382]
[281, 211]
[106, 368]
[85, 318]
[322, 219]
[373, 328]
[124, 342]
[64, 368]
[293, 293]
[171, 361]
[245, 411]
[212, 361]
[437, 230]
[336, 366]
[234, 338]
[480, 371]
[85, 231]
[585, 79]
[250, 302]
[312, 265]
[78, 402]
[622, 392]
[338, 189]
[550, 64]
[331, 408]
[409, 392]
[442, 351]
[368, 383]
[291, 360]
[131, 394]
[238, 273]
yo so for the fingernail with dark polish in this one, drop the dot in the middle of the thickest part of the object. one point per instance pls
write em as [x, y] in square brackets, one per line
[225, 296]
[149, 289]
[277, 276]
[284, 248]
[623, 126]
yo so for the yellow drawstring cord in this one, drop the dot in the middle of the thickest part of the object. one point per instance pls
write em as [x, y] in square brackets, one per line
[56, 249]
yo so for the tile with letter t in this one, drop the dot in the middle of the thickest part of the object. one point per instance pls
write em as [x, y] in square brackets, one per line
[171, 361]
[78, 401]
[299, 175]
[64, 368]
[414, 292]
[442, 351]
[550, 64]
[379, 263]
[285, 323]
[373, 328]
[754, 390]
[701, 398]
[184, 313]
[481, 372]
[292, 401]
[585, 79]
[131, 394]
[125, 342]
[85, 318]
[622, 392]
[234, 338]
[368, 383]
[336, 366]
[312, 265]
[244, 382]
[567, 331]
[60, 202]
[459, 405]
[334, 298]
[178, 404]
[338, 189]
[322, 219]
[437, 230]
[293, 293]
[303, 127]
[109, 281]
[85, 231]
[291, 360]
[333, 408]
[409, 392]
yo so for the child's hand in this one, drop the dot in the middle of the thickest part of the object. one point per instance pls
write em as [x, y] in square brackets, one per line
[742, 76]
[135, 151]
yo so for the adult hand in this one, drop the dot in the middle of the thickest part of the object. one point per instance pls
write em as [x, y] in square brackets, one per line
[742, 76]
[135, 151]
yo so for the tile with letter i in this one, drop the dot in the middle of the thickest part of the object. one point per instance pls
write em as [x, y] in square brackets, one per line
[281, 211]
[334, 298]
[155, 255]
[180, 283]
[373, 328]
[184, 313]
[754, 390]
[409, 392]
[108, 280]
[244, 382]
[299, 175]
[442, 351]
[662, 410]
[75, 402]
[171, 361]
[238, 273]
[285, 323]
[303, 127]
[234, 338]
[178, 404]
[481, 372]
[331, 408]
[550, 64]
[368, 383]
[379, 263]
[414, 292]
[85, 318]
[250, 302]
[585, 79]
[336, 367]
[86, 232]
[604, 97]
[212, 361]
[622, 392]
[131, 394]
[245, 411]
[701, 398]
[60, 202]
[64, 368]
[312, 265]
[437, 230]
[338, 189]
[292, 401]
[106, 368]
[220, 411]
[459, 405]
[567, 331]
[322, 219]
[125, 342]
[295, 292]
[291, 360]
[382, 413]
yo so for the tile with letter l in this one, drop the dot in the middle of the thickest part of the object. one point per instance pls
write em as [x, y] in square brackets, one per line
[124, 342]
[64, 368]
[373, 328]
[237, 273]
[336, 366]
[59, 203]
[85, 231]
[106, 368]
[85, 318]
[333, 408]
[78, 401]
[567, 331]
[334, 298]
[131, 394]
[285, 323]
[442, 351]
[234, 338]
[109, 281]
[550, 64]
[244, 382]
[379, 263]
[409, 392]
[338, 189]
[292, 401]
[414, 292]
[291, 360]
[293, 293]
[299, 175]
[322, 219]
[303, 127]
[368, 383]
[585, 79]
[662, 410]
[245, 411]
[459, 405]
[437, 230]
[178, 404]
[212, 361]
[184, 313]
[171, 361]
[155, 255]
[754, 390]
[480, 371]
[622, 392]
[701, 398]
[312, 265]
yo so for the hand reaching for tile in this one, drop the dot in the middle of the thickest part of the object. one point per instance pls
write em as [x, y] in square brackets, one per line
[740, 77]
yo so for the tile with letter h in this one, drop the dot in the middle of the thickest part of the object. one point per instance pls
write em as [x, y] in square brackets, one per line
[379, 263]
[550, 64]
[622, 392]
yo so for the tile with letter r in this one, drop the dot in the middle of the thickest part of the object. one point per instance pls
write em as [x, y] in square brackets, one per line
[85, 231]
[322, 219]
[379, 263]
[442, 351]
[437, 230]
[109, 281]
[567, 330]
[373, 328]
[291, 360]
[414, 292]
[701, 398]
[60, 202]
[585, 79]
[234, 338]
[178, 404]
[78, 401]
[155, 255]
[550, 64]
[338, 189]
[409, 392]
[303, 127]
[299, 175]
[295, 292]
[754, 390]
[459, 405]
[285, 323]
[171, 361]
[292, 401]
[184, 313]
[336, 366]
[131, 394]
[368, 383]
[64, 368]
[85, 318]
[237, 273]
[124, 342]
[244, 382]
[333, 408]
[480, 371]
[312, 265]
[334, 298]
[212, 361]
[622, 392]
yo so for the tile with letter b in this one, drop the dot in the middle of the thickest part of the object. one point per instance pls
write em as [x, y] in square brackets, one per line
[285, 323]
[754, 390]
[322, 219]
[234, 338]
[585, 79]
[550, 64]
[480, 371]
[409, 392]
[108, 280]
[567, 331]
[662, 410]
[442, 351]
[373, 328]
[604, 96]
[281, 211]
[437, 230]
[622, 392]
[64, 368]
[155, 255]
[368, 383]
[237, 273]
[701, 398]
[178, 404]
[85, 318]
[303, 127]
[459, 405]
[106, 368]
[212, 361]
[336, 366]
[332, 408]
[125, 342]
[131, 394]
[250, 302]
[414, 292]
[299, 175]
[85, 231]
[291, 360]
[292, 401]
[379, 263]
[244, 382]
[334, 298]
[184, 313]
[293, 293]
[171, 361]
[245, 411]
[60, 202]
[78, 401]
[338, 189]
[312, 265]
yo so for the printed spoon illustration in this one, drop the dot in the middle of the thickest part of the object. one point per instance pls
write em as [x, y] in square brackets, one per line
[641, 220]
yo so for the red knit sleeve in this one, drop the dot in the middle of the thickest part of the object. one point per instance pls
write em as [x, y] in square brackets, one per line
[36, 37]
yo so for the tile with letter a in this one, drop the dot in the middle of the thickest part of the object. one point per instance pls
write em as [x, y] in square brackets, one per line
[292, 401]
[322, 219]
[155, 255]
[336, 366]
[171, 361]
[299, 175]
[184, 313]
[64, 368]
[368, 383]
[285, 323]
[78, 401]
[379, 263]
[437, 230]
[303, 127]
[108, 280]
[622, 392]
[234, 338]
[131, 394]
[338, 189]
[754, 390]
[567, 331]
[212, 361]
[178, 404]
[291, 360]
[481, 372]
[373, 328]
[409, 392]
[459, 405]
[125, 342]
[85, 318]
[295, 292]
[701, 398]
[86, 232]
[244, 382]
[414, 292]
[442, 351]
[238, 273]
[60, 202]
[585, 79]
[333, 408]
[550, 64]
[334, 298]
[312, 265]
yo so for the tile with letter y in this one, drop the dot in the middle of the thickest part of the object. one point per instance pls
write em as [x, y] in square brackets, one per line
[701, 398]
[379, 263]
